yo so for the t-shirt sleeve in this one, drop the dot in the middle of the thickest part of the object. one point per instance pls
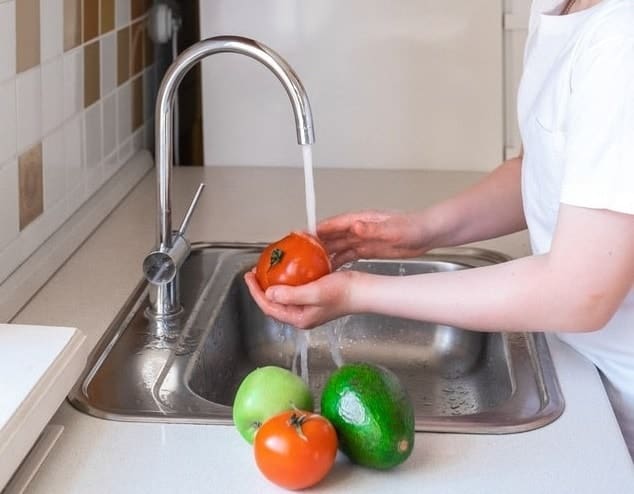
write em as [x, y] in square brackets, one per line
[599, 153]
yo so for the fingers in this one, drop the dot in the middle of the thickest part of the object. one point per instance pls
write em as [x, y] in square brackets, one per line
[255, 290]
[384, 231]
[282, 294]
[335, 226]
[307, 294]
[294, 315]
[358, 238]
[284, 313]
[336, 246]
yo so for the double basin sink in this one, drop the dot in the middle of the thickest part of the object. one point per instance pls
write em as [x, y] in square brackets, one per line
[459, 381]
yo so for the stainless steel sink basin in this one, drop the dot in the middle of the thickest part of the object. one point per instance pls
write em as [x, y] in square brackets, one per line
[459, 381]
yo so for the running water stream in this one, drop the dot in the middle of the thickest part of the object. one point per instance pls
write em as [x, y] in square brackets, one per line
[309, 188]
[302, 339]
[300, 359]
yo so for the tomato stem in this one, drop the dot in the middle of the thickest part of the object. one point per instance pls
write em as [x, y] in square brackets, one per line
[276, 257]
[297, 421]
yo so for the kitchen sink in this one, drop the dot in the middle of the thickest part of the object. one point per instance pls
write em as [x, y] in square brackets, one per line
[459, 381]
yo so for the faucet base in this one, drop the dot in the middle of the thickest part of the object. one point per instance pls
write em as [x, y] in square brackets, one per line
[163, 326]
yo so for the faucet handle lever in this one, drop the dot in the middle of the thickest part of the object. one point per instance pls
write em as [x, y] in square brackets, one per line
[188, 215]
[161, 266]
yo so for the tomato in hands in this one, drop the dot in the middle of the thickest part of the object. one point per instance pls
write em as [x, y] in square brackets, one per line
[296, 259]
[295, 449]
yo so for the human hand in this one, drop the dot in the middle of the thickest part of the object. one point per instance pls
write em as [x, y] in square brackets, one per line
[309, 305]
[373, 234]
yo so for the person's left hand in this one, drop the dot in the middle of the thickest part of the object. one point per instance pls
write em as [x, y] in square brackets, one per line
[308, 305]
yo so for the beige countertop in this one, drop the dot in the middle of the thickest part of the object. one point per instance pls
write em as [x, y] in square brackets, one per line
[261, 204]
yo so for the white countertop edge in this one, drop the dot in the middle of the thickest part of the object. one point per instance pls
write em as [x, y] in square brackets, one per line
[36, 457]
[24, 427]
[20, 286]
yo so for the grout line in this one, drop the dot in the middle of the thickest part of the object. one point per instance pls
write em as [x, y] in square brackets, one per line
[76, 114]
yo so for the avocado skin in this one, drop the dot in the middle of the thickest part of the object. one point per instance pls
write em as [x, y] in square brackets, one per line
[372, 413]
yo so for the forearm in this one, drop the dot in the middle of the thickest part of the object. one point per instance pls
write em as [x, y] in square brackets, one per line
[577, 286]
[520, 295]
[488, 209]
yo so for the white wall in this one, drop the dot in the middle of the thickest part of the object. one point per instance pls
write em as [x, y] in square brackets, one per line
[406, 84]
[515, 31]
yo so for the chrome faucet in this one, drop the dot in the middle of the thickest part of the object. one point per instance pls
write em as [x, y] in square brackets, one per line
[161, 267]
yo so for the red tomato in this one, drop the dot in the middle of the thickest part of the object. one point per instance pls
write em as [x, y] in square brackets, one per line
[295, 449]
[294, 260]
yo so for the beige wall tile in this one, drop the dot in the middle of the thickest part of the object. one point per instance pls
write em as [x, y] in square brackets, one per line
[27, 31]
[31, 190]
[123, 55]
[137, 103]
[139, 7]
[72, 24]
[91, 73]
[107, 16]
[137, 49]
[90, 14]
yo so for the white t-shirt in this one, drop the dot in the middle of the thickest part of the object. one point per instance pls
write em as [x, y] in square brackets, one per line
[576, 117]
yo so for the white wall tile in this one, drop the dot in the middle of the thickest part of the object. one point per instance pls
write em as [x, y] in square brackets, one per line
[9, 209]
[124, 110]
[73, 153]
[111, 160]
[75, 199]
[32, 237]
[125, 151]
[50, 221]
[122, 12]
[29, 108]
[7, 40]
[108, 64]
[110, 165]
[138, 139]
[54, 168]
[109, 124]
[93, 179]
[92, 133]
[73, 82]
[51, 28]
[52, 89]
[9, 115]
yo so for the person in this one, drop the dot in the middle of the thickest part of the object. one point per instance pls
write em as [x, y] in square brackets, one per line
[572, 187]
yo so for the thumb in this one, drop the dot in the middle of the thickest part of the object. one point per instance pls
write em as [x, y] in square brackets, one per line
[293, 295]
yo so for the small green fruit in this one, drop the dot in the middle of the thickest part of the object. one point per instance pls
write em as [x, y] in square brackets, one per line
[265, 392]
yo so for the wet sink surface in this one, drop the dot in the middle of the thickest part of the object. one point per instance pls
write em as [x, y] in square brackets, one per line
[459, 381]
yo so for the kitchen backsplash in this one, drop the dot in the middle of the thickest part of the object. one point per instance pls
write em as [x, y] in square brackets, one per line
[76, 85]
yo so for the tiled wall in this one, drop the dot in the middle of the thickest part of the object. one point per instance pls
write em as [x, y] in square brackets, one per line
[76, 85]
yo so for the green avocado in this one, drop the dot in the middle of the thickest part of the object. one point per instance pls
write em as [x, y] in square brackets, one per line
[372, 413]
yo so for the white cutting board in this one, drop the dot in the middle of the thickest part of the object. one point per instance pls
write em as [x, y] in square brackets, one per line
[38, 367]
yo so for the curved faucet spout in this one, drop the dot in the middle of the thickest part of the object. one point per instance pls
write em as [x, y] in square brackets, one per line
[164, 303]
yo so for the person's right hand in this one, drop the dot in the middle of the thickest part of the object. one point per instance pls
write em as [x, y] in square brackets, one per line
[373, 234]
